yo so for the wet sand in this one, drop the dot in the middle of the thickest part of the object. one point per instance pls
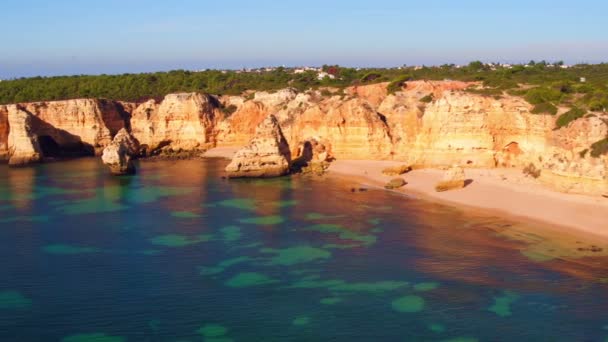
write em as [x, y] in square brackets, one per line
[506, 191]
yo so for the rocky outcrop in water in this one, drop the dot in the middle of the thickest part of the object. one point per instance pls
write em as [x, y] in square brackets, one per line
[266, 155]
[119, 154]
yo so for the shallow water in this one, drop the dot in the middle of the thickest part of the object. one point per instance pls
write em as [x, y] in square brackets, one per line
[177, 253]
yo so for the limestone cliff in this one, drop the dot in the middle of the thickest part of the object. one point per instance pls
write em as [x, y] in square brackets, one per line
[185, 121]
[72, 123]
[23, 143]
[428, 123]
[3, 133]
[266, 155]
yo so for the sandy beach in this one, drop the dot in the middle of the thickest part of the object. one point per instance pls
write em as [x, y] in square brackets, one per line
[507, 191]
[504, 191]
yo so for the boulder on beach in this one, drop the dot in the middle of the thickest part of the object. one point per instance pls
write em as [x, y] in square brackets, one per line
[119, 154]
[395, 183]
[453, 179]
[396, 170]
[266, 155]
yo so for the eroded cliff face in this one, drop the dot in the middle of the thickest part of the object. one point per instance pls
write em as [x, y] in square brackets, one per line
[364, 122]
[3, 133]
[24, 147]
[73, 122]
[185, 121]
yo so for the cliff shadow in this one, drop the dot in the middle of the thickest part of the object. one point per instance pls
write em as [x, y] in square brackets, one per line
[57, 143]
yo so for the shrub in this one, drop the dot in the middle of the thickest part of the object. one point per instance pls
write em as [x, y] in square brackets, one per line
[544, 108]
[325, 93]
[229, 110]
[531, 171]
[428, 98]
[540, 95]
[600, 147]
[569, 116]
[398, 84]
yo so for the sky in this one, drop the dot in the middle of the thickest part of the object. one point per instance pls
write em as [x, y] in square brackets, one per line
[65, 37]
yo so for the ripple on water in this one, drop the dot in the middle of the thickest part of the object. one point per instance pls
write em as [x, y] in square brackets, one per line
[249, 279]
[296, 255]
[426, 286]
[502, 304]
[212, 330]
[263, 220]
[14, 300]
[301, 320]
[69, 249]
[330, 300]
[222, 266]
[408, 304]
[93, 337]
[175, 240]
[231, 233]
[238, 203]
[343, 233]
[185, 214]
[319, 216]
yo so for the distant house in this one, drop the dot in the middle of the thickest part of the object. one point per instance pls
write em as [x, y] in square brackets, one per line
[322, 75]
[583, 79]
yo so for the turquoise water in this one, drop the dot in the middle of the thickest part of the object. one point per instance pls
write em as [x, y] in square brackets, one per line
[178, 254]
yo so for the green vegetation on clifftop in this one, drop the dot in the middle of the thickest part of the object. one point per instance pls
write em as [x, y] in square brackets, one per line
[543, 85]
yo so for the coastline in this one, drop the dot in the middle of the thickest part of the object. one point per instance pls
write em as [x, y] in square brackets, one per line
[503, 191]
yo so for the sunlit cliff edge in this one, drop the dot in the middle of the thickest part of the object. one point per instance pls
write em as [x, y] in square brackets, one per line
[364, 122]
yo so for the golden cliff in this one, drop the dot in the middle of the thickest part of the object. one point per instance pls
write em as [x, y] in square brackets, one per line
[428, 123]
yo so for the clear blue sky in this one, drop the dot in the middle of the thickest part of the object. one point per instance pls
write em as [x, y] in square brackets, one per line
[56, 37]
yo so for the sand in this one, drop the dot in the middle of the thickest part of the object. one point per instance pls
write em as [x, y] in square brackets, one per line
[507, 191]
[221, 152]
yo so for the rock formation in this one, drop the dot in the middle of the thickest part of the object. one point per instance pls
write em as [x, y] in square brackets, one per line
[184, 121]
[396, 170]
[363, 122]
[24, 147]
[266, 155]
[395, 183]
[119, 154]
[3, 133]
[453, 178]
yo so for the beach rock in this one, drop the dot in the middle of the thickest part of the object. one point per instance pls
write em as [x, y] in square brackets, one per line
[23, 146]
[118, 156]
[396, 170]
[453, 178]
[266, 155]
[395, 183]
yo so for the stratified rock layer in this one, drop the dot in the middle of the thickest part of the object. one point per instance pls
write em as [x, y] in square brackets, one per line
[23, 143]
[4, 129]
[362, 122]
[119, 154]
[266, 155]
[184, 121]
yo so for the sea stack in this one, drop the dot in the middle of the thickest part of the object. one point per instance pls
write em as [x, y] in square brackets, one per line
[266, 155]
[119, 154]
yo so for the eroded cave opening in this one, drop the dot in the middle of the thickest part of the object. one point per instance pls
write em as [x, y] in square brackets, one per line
[51, 149]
